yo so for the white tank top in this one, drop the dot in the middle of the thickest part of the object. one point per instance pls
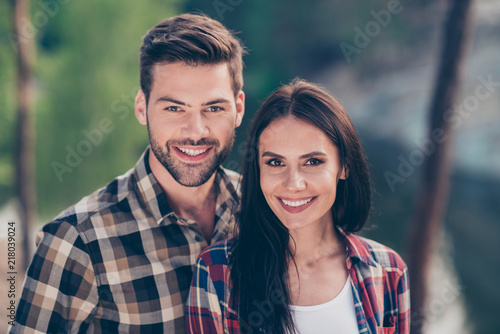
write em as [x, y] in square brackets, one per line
[336, 316]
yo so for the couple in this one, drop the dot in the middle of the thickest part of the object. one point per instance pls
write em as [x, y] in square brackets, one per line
[127, 258]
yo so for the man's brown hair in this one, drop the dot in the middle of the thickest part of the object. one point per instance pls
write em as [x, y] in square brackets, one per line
[194, 39]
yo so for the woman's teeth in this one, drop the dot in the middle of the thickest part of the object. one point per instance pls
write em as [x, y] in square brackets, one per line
[297, 203]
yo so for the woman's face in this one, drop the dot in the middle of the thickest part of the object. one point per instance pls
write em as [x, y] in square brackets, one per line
[299, 171]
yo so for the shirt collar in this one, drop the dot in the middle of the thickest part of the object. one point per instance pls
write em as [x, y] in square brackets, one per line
[150, 190]
[356, 249]
[227, 205]
[155, 198]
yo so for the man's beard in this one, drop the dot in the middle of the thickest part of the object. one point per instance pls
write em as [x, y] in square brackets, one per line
[191, 174]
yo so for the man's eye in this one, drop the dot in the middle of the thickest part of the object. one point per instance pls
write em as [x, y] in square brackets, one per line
[274, 163]
[173, 108]
[314, 162]
[214, 109]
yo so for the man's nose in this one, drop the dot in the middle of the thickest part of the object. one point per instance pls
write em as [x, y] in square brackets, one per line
[196, 126]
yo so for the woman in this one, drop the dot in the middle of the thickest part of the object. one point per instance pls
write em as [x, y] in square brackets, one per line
[296, 267]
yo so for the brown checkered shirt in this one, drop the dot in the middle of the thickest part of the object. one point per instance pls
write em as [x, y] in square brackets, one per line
[119, 260]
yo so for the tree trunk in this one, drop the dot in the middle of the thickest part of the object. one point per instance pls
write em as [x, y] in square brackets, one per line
[432, 198]
[25, 130]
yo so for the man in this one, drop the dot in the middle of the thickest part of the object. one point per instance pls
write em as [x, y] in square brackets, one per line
[121, 259]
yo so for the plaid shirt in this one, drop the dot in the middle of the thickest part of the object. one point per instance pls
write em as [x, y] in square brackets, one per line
[380, 289]
[120, 260]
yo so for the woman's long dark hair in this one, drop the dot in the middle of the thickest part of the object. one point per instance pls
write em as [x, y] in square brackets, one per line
[259, 269]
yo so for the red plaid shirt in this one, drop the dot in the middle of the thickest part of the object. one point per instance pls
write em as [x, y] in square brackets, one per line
[380, 289]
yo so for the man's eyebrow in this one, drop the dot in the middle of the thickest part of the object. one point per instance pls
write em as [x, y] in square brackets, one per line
[169, 99]
[209, 103]
[216, 101]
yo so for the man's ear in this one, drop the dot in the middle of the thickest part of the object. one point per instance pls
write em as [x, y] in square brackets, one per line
[240, 107]
[141, 108]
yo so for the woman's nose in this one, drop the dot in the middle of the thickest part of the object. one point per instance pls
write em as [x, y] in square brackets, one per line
[295, 180]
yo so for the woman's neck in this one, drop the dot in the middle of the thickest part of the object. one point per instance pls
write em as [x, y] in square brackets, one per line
[318, 271]
[315, 242]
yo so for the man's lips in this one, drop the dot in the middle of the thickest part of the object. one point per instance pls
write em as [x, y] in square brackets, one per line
[296, 205]
[193, 153]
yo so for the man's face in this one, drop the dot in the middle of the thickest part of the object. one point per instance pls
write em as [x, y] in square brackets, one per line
[191, 117]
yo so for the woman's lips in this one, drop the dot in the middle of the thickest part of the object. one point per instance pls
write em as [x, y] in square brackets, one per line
[296, 205]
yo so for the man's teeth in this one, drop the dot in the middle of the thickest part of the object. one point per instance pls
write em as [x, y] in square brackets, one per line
[298, 203]
[192, 153]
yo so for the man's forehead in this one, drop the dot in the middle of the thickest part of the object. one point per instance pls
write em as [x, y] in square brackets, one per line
[201, 83]
[182, 71]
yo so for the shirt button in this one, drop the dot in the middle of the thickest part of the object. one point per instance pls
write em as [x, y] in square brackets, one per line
[197, 238]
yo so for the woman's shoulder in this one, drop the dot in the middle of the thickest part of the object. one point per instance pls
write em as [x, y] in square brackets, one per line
[217, 253]
[375, 253]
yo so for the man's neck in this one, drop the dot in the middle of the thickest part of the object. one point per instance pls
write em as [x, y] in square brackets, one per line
[195, 203]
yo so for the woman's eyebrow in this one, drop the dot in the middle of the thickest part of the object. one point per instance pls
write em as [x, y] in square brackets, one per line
[305, 156]
[313, 154]
[271, 154]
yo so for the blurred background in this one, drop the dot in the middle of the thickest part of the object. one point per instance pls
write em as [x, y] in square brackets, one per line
[87, 73]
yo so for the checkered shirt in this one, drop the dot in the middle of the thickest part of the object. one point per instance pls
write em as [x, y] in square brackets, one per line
[119, 260]
[380, 290]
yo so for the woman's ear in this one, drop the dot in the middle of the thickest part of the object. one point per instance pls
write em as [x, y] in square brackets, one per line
[345, 173]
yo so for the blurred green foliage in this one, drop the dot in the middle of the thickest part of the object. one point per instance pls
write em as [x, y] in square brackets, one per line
[86, 73]
[7, 96]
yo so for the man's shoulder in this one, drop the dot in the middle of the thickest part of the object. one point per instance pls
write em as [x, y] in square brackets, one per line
[377, 253]
[233, 176]
[112, 198]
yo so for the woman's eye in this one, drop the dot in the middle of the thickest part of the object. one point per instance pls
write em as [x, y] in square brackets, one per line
[274, 163]
[173, 108]
[314, 162]
[214, 109]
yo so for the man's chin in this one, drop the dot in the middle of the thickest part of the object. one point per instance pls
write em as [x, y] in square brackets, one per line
[191, 175]
[190, 183]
